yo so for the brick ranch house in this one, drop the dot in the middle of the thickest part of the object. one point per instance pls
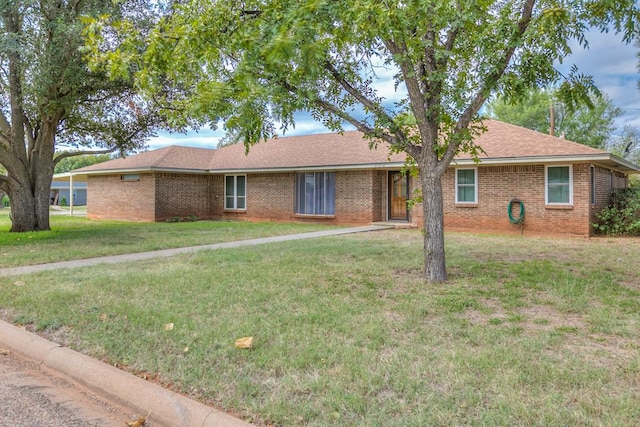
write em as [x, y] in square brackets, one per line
[337, 179]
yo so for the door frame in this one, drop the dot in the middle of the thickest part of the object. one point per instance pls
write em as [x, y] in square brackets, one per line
[390, 175]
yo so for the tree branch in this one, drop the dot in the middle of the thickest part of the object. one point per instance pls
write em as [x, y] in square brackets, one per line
[5, 127]
[373, 106]
[13, 25]
[81, 153]
[358, 124]
[31, 136]
[4, 183]
[4, 141]
[413, 85]
[491, 79]
[452, 35]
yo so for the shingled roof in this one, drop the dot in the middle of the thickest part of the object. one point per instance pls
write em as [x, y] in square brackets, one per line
[503, 144]
[173, 157]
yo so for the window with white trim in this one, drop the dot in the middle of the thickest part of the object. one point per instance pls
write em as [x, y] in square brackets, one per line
[235, 192]
[316, 193]
[467, 185]
[558, 185]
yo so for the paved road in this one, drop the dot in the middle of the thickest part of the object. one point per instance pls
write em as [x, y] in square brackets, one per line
[30, 397]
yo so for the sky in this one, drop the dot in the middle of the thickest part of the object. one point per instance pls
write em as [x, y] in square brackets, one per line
[613, 65]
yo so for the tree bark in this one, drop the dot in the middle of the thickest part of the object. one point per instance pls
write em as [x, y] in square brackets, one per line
[23, 214]
[30, 184]
[29, 199]
[433, 213]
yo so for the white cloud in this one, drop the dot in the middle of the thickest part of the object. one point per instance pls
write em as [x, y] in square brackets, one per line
[614, 67]
[205, 138]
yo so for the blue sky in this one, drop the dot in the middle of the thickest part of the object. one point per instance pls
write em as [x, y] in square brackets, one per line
[613, 65]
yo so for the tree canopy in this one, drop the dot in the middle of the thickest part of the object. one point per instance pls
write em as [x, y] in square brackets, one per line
[52, 101]
[255, 63]
[591, 123]
[75, 162]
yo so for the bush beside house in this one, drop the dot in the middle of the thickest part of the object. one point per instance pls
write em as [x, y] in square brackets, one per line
[622, 216]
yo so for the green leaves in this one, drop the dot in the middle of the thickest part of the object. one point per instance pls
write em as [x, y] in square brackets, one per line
[580, 115]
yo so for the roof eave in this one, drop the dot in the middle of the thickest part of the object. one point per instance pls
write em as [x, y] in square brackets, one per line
[137, 170]
[364, 166]
[606, 158]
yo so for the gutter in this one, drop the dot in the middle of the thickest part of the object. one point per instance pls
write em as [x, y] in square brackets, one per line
[599, 157]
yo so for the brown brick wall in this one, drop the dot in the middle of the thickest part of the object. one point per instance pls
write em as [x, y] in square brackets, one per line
[270, 197]
[361, 198]
[497, 185]
[416, 215]
[358, 196]
[109, 197]
[182, 195]
[379, 195]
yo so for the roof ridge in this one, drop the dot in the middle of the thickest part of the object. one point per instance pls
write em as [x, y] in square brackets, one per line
[170, 149]
[546, 135]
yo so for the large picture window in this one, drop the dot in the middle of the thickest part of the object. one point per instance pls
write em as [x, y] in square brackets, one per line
[316, 193]
[558, 185]
[235, 192]
[466, 186]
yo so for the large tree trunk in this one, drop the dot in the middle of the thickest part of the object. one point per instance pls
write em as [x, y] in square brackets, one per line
[433, 214]
[30, 204]
[30, 185]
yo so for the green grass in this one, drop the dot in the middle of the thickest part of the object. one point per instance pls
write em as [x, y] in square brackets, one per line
[528, 331]
[77, 237]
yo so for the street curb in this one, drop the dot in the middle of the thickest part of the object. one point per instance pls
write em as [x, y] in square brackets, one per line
[166, 407]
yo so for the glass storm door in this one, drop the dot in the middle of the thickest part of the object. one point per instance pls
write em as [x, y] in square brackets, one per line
[398, 195]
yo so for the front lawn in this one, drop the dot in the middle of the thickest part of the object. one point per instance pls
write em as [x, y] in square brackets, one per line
[528, 331]
[77, 237]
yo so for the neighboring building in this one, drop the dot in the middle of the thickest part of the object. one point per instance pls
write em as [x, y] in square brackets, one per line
[60, 193]
[338, 179]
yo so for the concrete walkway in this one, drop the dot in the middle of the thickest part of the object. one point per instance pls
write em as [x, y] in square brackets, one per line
[166, 407]
[16, 271]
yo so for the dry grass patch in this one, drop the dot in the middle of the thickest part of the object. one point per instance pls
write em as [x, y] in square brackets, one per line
[528, 331]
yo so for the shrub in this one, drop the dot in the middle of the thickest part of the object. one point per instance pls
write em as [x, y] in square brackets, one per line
[190, 218]
[622, 216]
[63, 202]
[4, 201]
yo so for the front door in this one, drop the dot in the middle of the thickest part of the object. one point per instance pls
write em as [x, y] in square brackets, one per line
[398, 195]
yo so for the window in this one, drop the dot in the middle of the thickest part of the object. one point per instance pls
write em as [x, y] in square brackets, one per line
[558, 185]
[612, 186]
[130, 177]
[466, 186]
[315, 193]
[235, 192]
[593, 185]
